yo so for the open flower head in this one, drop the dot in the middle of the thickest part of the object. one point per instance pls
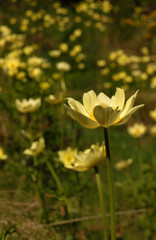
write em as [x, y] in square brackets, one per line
[55, 99]
[101, 110]
[137, 130]
[123, 164]
[29, 105]
[36, 147]
[67, 156]
[153, 130]
[83, 160]
[152, 114]
[3, 156]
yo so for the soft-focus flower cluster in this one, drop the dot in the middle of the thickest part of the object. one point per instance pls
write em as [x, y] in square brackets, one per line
[82, 160]
[29, 105]
[36, 148]
[3, 156]
[137, 130]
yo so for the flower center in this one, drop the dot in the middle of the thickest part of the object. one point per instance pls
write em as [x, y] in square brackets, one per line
[137, 132]
[91, 115]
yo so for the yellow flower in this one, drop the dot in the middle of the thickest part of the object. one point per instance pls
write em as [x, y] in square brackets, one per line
[101, 63]
[2, 155]
[35, 73]
[29, 105]
[137, 130]
[82, 161]
[63, 66]
[54, 99]
[28, 50]
[44, 85]
[67, 156]
[101, 110]
[152, 114]
[153, 82]
[145, 50]
[36, 147]
[64, 47]
[77, 32]
[153, 130]
[123, 164]
[81, 65]
[21, 76]
[56, 76]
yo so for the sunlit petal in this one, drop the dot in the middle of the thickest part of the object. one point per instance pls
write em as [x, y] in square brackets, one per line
[82, 119]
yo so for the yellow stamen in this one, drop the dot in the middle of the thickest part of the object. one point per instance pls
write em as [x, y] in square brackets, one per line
[117, 120]
[91, 115]
[137, 132]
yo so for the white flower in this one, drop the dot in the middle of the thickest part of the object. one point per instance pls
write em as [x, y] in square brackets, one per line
[29, 105]
[2, 155]
[36, 147]
[153, 130]
[137, 130]
[123, 164]
[63, 66]
[55, 99]
[152, 114]
[82, 161]
[101, 110]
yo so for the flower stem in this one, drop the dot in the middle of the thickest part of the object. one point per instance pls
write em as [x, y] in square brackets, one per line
[40, 196]
[41, 203]
[139, 157]
[110, 185]
[59, 185]
[99, 186]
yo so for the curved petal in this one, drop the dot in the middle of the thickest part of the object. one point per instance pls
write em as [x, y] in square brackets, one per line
[129, 104]
[132, 110]
[126, 118]
[105, 116]
[77, 106]
[118, 99]
[81, 119]
[104, 100]
[90, 101]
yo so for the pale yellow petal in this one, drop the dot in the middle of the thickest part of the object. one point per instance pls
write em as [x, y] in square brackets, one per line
[81, 119]
[77, 106]
[128, 105]
[89, 101]
[118, 99]
[104, 100]
[129, 114]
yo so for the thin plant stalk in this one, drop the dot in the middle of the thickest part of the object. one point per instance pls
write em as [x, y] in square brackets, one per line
[59, 185]
[110, 185]
[139, 157]
[62, 126]
[53, 173]
[99, 186]
[41, 203]
[63, 89]
[38, 187]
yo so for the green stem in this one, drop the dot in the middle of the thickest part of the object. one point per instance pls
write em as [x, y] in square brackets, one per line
[62, 125]
[62, 83]
[110, 185]
[59, 185]
[99, 186]
[139, 157]
[42, 211]
[38, 188]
